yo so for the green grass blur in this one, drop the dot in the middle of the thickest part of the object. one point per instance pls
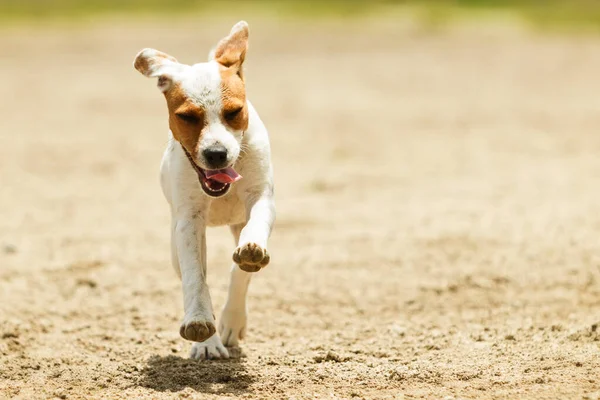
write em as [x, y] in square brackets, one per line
[562, 14]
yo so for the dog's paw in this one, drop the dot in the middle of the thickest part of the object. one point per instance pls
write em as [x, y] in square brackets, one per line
[250, 257]
[232, 326]
[197, 330]
[210, 349]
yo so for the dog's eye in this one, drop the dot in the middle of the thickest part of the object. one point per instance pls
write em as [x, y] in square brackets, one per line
[190, 119]
[231, 115]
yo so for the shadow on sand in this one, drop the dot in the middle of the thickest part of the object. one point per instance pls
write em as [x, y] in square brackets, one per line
[173, 374]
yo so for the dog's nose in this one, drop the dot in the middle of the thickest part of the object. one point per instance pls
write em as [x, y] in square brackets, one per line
[215, 156]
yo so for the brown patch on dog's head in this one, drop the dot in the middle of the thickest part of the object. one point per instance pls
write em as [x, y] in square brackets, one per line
[233, 99]
[230, 54]
[186, 119]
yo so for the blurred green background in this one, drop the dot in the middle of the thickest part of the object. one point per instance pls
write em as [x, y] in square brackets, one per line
[575, 15]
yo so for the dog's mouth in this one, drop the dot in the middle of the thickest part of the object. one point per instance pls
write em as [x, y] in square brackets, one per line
[215, 182]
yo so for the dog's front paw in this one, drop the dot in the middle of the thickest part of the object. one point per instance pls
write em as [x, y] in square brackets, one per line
[232, 326]
[196, 329]
[210, 349]
[250, 257]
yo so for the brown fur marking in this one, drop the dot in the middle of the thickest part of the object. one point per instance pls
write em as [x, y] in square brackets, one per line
[233, 96]
[231, 50]
[185, 132]
[230, 53]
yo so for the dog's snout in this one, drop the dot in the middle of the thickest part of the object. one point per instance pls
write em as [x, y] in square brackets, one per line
[215, 156]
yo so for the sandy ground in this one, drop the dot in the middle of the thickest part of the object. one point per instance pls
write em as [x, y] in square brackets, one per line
[438, 217]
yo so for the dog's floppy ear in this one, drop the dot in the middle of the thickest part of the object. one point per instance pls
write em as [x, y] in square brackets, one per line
[231, 50]
[153, 63]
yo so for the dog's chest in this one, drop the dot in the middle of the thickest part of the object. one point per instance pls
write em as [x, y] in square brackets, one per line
[228, 210]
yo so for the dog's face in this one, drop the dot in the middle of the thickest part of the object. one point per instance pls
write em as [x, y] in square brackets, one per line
[207, 106]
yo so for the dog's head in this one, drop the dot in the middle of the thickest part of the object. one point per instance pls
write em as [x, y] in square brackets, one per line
[208, 113]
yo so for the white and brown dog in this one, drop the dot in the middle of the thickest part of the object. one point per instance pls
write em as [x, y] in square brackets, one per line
[216, 138]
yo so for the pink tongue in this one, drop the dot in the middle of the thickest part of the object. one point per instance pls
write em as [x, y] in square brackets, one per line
[225, 175]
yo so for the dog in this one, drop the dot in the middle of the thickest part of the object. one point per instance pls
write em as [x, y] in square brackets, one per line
[216, 170]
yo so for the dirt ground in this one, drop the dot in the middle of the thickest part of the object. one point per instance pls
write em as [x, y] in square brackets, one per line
[438, 230]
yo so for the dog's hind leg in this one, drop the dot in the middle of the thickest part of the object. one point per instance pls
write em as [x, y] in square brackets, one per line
[232, 325]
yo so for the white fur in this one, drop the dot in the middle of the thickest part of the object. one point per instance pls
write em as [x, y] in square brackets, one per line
[248, 208]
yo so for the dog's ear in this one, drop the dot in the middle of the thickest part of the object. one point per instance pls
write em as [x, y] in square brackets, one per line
[231, 50]
[153, 63]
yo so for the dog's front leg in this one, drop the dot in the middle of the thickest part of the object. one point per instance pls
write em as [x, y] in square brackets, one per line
[251, 254]
[199, 322]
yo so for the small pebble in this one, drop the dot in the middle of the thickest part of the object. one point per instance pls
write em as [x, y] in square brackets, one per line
[9, 248]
